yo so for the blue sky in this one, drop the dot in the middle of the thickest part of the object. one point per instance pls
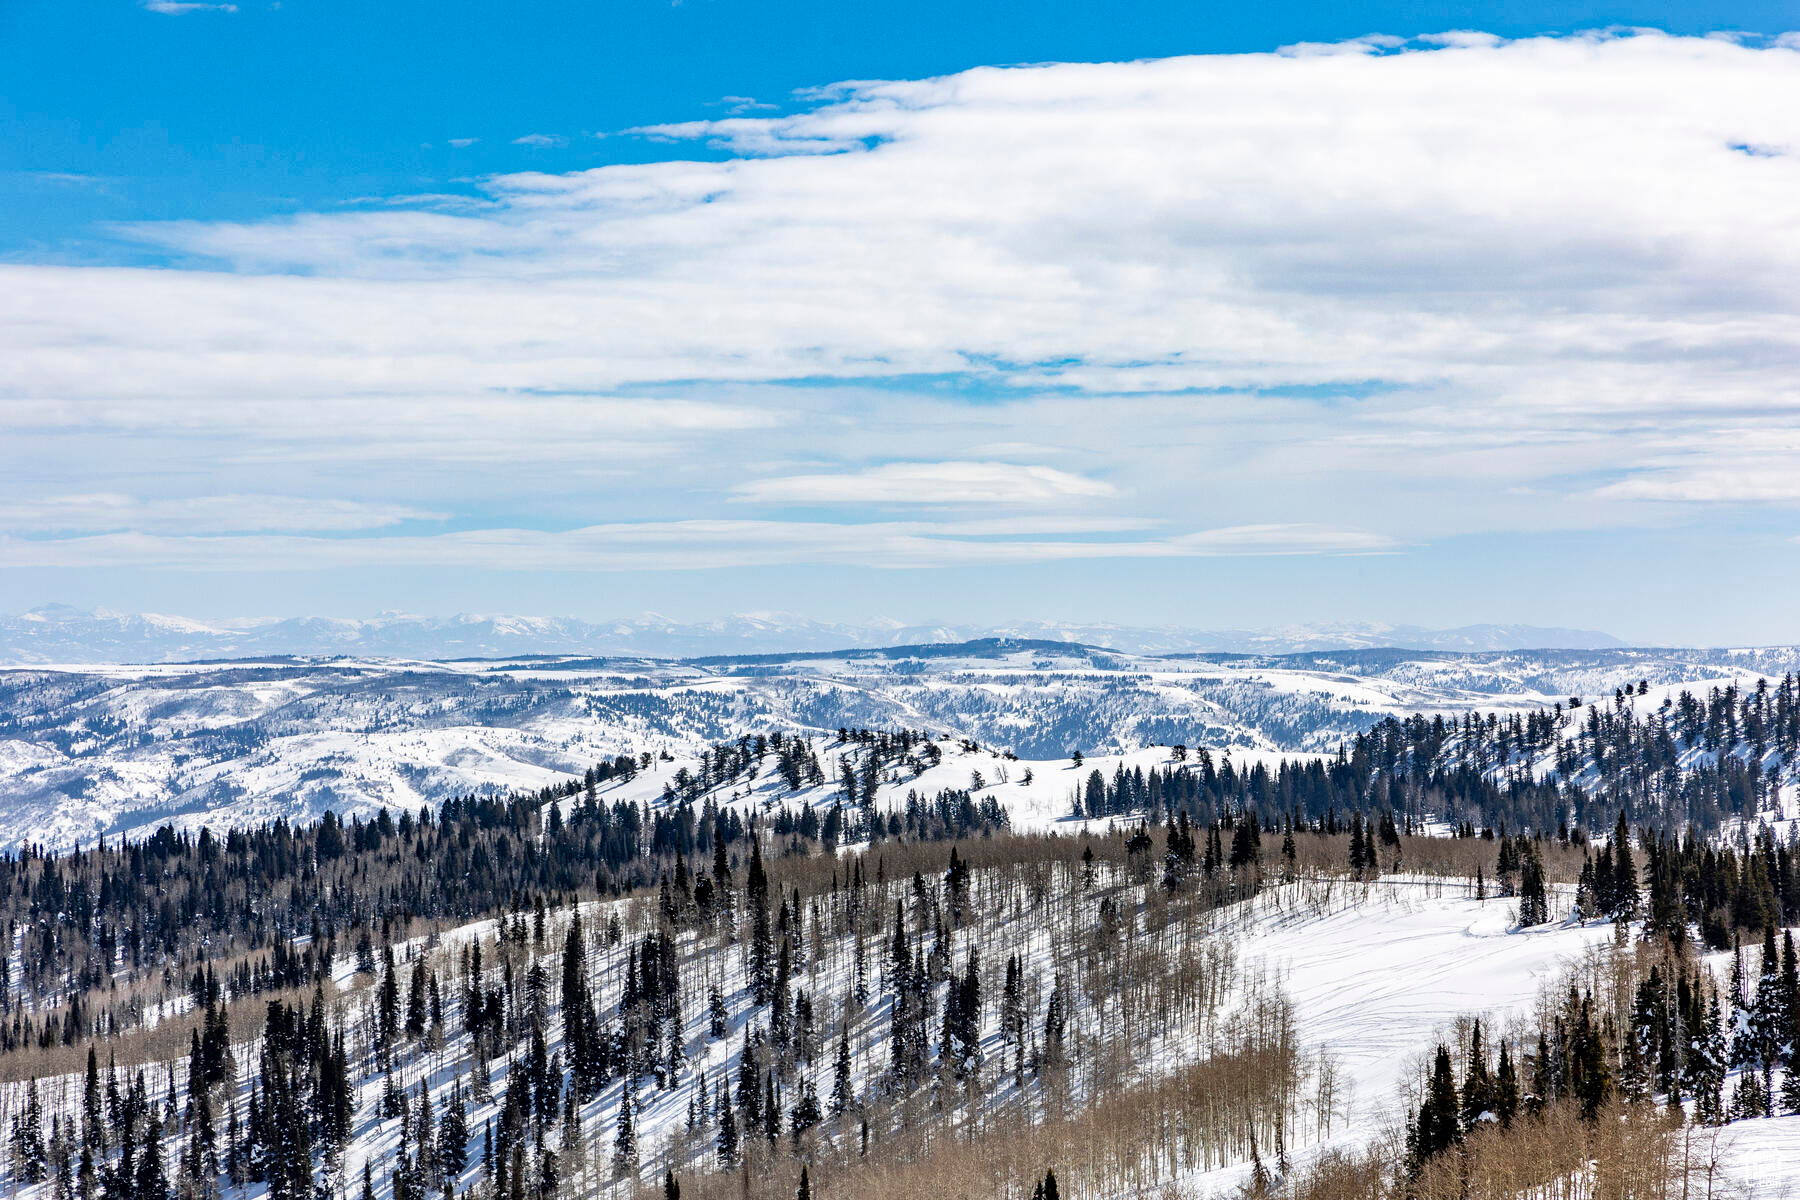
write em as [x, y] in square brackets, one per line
[591, 309]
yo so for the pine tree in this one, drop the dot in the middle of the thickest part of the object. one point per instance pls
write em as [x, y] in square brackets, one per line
[120, 1181]
[93, 1127]
[203, 1137]
[1534, 904]
[1704, 1067]
[1477, 1092]
[805, 1114]
[1506, 1088]
[1769, 1019]
[1624, 888]
[29, 1152]
[1012, 1014]
[716, 1016]
[1740, 1025]
[453, 1136]
[152, 1182]
[805, 1189]
[1055, 1024]
[841, 1095]
[728, 1134]
[762, 943]
[771, 1111]
[625, 1133]
[1637, 1050]
[1437, 1128]
[415, 1002]
[388, 1004]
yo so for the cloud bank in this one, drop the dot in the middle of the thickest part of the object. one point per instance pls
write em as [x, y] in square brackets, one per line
[1330, 300]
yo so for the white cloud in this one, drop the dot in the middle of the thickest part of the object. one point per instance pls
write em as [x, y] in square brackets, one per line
[1741, 484]
[737, 105]
[682, 545]
[220, 514]
[540, 139]
[1460, 282]
[929, 483]
[1470, 212]
[461, 143]
[177, 8]
[484, 429]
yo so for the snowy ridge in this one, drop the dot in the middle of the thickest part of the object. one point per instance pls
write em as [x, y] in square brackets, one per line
[86, 751]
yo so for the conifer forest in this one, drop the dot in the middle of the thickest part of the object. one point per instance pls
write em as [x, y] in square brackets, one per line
[791, 965]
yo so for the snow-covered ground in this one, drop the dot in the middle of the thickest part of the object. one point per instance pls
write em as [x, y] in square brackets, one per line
[86, 751]
[1378, 974]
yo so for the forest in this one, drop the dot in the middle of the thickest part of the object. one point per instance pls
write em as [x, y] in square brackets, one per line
[550, 995]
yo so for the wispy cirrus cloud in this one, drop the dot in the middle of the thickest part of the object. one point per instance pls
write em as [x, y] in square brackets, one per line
[686, 546]
[739, 105]
[1748, 483]
[929, 483]
[178, 8]
[210, 514]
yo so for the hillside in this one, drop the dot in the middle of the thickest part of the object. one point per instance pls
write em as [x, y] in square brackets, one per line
[875, 1017]
[117, 750]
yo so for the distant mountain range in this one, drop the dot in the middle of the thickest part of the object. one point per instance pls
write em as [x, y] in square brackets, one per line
[61, 634]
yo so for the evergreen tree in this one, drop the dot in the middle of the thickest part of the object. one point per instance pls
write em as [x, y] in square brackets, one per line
[716, 1015]
[93, 1121]
[1477, 1092]
[728, 1134]
[1012, 1014]
[1740, 1027]
[1624, 889]
[1769, 1018]
[453, 1136]
[1534, 903]
[1055, 1025]
[388, 1004]
[1704, 1066]
[841, 1095]
[1506, 1088]
[1437, 1127]
[625, 1133]
[152, 1182]
[29, 1153]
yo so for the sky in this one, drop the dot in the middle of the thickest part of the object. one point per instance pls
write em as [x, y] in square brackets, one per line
[1152, 313]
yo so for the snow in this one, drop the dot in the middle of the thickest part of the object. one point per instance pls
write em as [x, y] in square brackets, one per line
[112, 750]
[1378, 972]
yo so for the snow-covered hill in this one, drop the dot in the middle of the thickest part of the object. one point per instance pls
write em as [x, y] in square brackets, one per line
[1370, 976]
[92, 750]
